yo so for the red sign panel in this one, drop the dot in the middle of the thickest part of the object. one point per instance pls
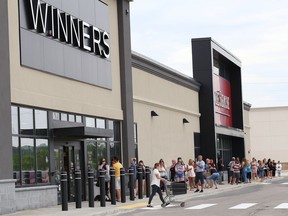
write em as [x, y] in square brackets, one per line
[222, 101]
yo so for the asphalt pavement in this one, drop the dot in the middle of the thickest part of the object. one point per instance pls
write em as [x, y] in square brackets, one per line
[258, 198]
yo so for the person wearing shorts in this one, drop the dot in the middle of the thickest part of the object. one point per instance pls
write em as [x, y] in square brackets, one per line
[200, 164]
[117, 166]
[179, 171]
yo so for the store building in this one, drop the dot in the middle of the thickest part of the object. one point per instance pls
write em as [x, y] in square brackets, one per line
[220, 100]
[72, 92]
[65, 67]
[269, 133]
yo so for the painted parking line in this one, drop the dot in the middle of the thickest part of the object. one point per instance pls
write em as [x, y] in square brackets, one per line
[285, 183]
[282, 206]
[202, 206]
[266, 183]
[243, 206]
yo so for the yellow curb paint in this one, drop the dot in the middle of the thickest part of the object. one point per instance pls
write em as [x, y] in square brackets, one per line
[133, 206]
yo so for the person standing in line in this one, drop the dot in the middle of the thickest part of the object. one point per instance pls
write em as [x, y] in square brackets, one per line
[200, 164]
[231, 170]
[142, 166]
[236, 171]
[273, 168]
[278, 168]
[133, 166]
[104, 166]
[163, 173]
[117, 166]
[172, 171]
[261, 170]
[249, 171]
[156, 178]
[180, 171]
[254, 169]
[220, 170]
[244, 171]
[214, 176]
[191, 174]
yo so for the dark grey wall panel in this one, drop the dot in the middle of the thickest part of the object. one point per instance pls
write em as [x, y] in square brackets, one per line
[101, 11]
[53, 57]
[72, 63]
[50, 55]
[32, 49]
[6, 162]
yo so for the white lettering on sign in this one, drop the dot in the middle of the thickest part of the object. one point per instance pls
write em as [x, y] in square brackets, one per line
[221, 100]
[62, 26]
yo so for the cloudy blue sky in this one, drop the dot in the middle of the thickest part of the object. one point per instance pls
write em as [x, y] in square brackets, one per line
[255, 31]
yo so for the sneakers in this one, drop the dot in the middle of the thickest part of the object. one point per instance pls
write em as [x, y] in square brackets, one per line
[196, 191]
[201, 191]
[163, 205]
[149, 206]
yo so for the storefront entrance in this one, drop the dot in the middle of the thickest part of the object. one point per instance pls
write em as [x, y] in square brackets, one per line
[68, 158]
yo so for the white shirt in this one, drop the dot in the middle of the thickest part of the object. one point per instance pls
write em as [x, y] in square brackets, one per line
[155, 180]
[278, 167]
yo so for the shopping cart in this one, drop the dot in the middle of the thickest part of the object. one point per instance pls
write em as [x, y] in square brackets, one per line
[172, 189]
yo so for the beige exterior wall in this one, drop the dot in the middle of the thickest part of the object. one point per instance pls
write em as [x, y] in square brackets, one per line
[39, 89]
[164, 136]
[247, 128]
[269, 133]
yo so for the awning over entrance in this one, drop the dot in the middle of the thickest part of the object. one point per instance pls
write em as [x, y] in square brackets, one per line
[82, 132]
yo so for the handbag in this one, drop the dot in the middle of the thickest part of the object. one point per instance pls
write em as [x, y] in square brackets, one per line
[107, 177]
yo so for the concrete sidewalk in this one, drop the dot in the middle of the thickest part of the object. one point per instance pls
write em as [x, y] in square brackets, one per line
[130, 205]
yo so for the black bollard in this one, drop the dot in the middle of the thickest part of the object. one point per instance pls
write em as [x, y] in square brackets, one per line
[140, 182]
[64, 191]
[102, 188]
[131, 184]
[147, 180]
[91, 187]
[122, 182]
[112, 187]
[78, 191]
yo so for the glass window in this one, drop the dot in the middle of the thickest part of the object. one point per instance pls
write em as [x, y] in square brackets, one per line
[90, 122]
[78, 118]
[110, 124]
[42, 155]
[71, 118]
[28, 161]
[26, 121]
[64, 117]
[101, 150]
[91, 154]
[115, 149]
[100, 123]
[16, 159]
[14, 116]
[135, 133]
[41, 122]
[56, 116]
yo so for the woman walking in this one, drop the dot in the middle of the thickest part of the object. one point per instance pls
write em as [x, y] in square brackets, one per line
[156, 186]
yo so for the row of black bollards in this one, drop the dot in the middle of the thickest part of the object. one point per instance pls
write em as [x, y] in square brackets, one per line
[102, 173]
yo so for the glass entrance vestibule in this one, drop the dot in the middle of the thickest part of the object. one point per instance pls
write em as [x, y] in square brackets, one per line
[46, 142]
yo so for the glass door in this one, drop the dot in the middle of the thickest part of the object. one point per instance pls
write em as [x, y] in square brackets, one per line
[67, 158]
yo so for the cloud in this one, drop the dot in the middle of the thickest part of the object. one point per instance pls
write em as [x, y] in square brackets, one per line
[254, 31]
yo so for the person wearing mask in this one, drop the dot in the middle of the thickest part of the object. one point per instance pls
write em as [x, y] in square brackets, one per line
[155, 184]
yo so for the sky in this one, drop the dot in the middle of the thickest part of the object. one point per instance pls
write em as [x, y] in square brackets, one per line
[255, 31]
